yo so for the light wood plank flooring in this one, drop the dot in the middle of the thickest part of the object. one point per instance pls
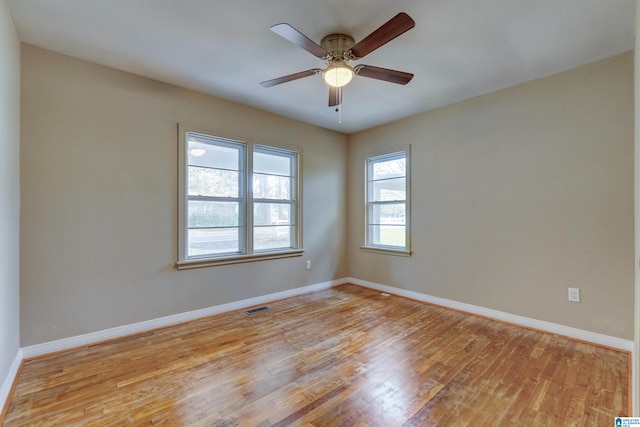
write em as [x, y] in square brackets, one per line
[347, 356]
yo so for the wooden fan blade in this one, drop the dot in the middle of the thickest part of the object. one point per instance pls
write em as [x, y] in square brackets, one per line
[396, 26]
[290, 77]
[378, 73]
[335, 96]
[286, 31]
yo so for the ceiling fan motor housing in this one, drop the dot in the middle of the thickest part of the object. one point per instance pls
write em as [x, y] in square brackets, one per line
[338, 46]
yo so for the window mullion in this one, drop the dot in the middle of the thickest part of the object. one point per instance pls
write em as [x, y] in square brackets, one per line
[283, 201]
[388, 202]
[295, 171]
[248, 209]
[213, 199]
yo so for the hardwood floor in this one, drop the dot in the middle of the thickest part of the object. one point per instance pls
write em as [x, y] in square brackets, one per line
[347, 356]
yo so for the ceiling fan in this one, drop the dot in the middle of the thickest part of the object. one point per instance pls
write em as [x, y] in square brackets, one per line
[337, 50]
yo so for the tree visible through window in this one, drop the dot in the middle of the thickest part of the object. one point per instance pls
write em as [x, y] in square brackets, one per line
[387, 201]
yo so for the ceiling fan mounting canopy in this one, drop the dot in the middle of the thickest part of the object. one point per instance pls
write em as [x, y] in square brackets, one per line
[338, 47]
[337, 50]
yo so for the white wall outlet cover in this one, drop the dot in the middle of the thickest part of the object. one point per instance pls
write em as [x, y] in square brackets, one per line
[574, 294]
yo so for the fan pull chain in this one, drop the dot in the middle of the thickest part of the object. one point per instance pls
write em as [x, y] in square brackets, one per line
[340, 106]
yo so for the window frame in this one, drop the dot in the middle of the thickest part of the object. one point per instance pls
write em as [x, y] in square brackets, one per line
[247, 253]
[291, 202]
[378, 156]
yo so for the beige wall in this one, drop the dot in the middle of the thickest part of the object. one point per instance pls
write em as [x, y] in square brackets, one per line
[518, 195]
[99, 193]
[9, 192]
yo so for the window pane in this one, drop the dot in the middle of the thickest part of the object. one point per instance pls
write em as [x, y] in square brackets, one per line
[273, 163]
[387, 235]
[271, 187]
[388, 213]
[389, 189]
[388, 168]
[213, 182]
[272, 214]
[213, 214]
[213, 241]
[275, 237]
[213, 152]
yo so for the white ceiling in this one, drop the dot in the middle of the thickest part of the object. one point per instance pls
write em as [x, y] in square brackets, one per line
[458, 49]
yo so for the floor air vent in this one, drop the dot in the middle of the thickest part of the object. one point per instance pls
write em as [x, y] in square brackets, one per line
[256, 309]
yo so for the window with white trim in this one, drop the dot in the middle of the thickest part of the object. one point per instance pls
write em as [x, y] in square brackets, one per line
[239, 201]
[387, 203]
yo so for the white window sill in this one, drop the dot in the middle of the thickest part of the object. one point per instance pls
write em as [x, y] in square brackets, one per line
[386, 251]
[236, 259]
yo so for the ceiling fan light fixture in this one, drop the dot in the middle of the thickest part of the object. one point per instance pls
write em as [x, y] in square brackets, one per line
[338, 74]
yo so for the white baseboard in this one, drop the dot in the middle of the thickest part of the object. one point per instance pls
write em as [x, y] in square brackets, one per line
[120, 331]
[5, 388]
[554, 328]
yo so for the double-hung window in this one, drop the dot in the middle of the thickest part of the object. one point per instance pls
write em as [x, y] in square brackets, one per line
[387, 203]
[239, 201]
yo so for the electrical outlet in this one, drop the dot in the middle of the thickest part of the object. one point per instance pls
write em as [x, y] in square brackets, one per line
[308, 264]
[574, 294]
